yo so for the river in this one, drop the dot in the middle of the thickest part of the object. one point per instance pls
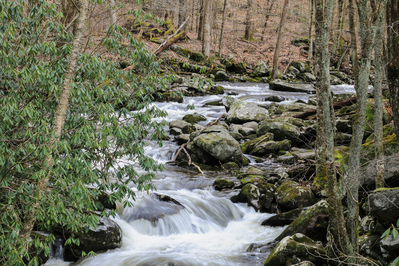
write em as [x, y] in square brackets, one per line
[209, 229]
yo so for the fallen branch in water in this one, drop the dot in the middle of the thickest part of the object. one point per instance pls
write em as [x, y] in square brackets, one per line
[179, 150]
[217, 121]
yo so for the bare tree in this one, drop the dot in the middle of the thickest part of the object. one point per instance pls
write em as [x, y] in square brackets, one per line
[268, 12]
[222, 28]
[206, 40]
[112, 12]
[279, 39]
[311, 29]
[182, 12]
[249, 33]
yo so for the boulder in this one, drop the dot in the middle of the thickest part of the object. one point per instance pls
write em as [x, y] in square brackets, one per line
[246, 131]
[220, 184]
[175, 131]
[312, 222]
[249, 194]
[290, 195]
[253, 179]
[261, 69]
[241, 112]
[108, 235]
[308, 77]
[255, 171]
[291, 87]
[180, 124]
[248, 146]
[301, 66]
[197, 155]
[252, 125]
[294, 107]
[192, 55]
[284, 218]
[390, 247]
[281, 130]
[383, 204]
[217, 142]
[391, 174]
[296, 246]
[275, 98]
[194, 118]
[183, 138]
[221, 76]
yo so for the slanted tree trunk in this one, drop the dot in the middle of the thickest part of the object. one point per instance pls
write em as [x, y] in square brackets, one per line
[326, 125]
[378, 114]
[59, 120]
[249, 35]
[279, 40]
[268, 12]
[206, 41]
[222, 28]
[182, 12]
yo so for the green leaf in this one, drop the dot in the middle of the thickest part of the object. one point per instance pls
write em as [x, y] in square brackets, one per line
[386, 233]
[395, 262]
[394, 233]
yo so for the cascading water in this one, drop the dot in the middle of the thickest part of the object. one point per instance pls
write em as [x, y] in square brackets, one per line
[200, 226]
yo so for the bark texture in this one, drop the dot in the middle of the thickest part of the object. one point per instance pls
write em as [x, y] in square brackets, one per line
[59, 118]
[326, 122]
[248, 34]
[222, 28]
[279, 39]
[206, 41]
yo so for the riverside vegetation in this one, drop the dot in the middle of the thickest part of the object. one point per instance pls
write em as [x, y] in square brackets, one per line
[61, 171]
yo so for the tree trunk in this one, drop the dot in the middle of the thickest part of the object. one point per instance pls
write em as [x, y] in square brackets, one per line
[378, 114]
[326, 125]
[367, 22]
[352, 27]
[269, 11]
[58, 120]
[279, 39]
[192, 15]
[206, 41]
[112, 12]
[201, 20]
[249, 35]
[310, 56]
[182, 12]
[393, 66]
[222, 28]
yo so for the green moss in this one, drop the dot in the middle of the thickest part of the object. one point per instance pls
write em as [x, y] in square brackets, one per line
[220, 184]
[253, 179]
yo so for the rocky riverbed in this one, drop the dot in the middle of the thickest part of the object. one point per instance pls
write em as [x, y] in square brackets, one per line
[240, 181]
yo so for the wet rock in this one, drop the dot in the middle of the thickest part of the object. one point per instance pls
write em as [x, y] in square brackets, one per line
[292, 196]
[383, 204]
[255, 171]
[304, 263]
[221, 76]
[249, 194]
[241, 112]
[313, 222]
[296, 246]
[390, 247]
[230, 165]
[291, 87]
[237, 136]
[180, 124]
[246, 131]
[251, 124]
[261, 69]
[334, 80]
[214, 103]
[248, 146]
[308, 77]
[194, 118]
[216, 89]
[253, 179]
[369, 245]
[294, 107]
[220, 184]
[275, 98]
[301, 66]
[165, 198]
[196, 154]
[281, 130]
[183, 138]
[108, 235]
[175, 131]
[217, 142]
[391, 174]
[284, 218]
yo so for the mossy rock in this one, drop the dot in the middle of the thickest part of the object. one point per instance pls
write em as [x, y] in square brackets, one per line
[284, 218]
[387, 130]
[216, 89]
[214, 103]
[168, 97]
[248, 146]
[220, 184]
[312, 222]
[298, 245]
[281, 130]
[390, 148]
[255, 171]
[292, 196]
[249, 194]
[253, 179]
[194, 118]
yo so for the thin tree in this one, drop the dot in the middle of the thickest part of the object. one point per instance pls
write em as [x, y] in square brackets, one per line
[200, 20]
[206, 40]
[59, 119]
[311, 29]
[325, 127]
[249, 34]
[379, 107]
[268, 12]
[182, 12]
[279, 40]
[222, 28]
[112, 12]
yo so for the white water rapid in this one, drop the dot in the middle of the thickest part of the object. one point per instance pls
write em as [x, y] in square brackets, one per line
[207, 228]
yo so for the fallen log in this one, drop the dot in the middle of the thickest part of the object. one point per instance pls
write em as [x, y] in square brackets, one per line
[336, 106]
[172, 39]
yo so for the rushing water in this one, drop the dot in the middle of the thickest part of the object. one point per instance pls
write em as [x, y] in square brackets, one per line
[207, 228]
